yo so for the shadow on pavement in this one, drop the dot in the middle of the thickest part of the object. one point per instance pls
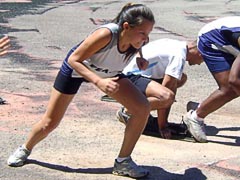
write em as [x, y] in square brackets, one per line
[213, 131]
[69, 169]
[155, 172]
[184, 135]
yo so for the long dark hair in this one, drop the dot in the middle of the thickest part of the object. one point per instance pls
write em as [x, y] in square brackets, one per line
[134, 14]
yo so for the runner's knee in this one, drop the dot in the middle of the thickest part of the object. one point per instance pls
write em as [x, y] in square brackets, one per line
[228, 92]
[141, 110]
[169, 98]
[48, 125]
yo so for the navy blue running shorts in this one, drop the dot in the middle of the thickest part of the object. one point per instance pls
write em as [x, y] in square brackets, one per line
[70, 85]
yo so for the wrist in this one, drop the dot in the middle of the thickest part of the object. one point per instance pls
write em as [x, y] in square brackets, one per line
[163, 126]
[96, 82]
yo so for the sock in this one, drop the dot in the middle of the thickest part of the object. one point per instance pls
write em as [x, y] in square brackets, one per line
[24, 146]
[199, 105]
[196, 117]
[121, 159]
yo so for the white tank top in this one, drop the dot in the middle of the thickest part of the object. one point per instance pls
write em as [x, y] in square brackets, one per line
[108, 61]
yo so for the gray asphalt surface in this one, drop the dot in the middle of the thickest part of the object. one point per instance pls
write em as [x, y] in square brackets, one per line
[88, 139]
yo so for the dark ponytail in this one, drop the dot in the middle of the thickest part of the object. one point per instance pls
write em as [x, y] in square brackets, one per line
[134, 14]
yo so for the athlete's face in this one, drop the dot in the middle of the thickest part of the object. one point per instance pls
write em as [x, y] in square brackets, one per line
[138, 35]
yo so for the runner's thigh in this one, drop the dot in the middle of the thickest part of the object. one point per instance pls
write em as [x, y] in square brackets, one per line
[154, 89]
[129, 96]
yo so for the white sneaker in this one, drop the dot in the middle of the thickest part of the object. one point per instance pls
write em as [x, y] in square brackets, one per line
[195, 127]
[19, 157]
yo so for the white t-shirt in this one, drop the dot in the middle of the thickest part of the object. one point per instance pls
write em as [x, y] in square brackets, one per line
[165, 56]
